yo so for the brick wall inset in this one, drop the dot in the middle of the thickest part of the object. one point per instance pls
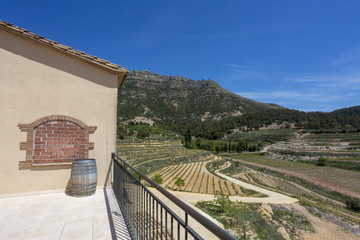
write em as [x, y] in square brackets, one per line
[55, 140]
[58, 142]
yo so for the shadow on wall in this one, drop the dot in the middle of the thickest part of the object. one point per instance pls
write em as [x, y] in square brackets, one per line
[52, 168]
[107, 183]
[108, 179]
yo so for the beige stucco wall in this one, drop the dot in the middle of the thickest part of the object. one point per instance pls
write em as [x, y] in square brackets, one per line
[36, 82]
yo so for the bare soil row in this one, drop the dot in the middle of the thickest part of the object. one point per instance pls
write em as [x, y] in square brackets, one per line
[197, 179]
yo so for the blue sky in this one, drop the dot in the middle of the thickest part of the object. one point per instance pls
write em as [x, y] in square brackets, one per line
[302, 55]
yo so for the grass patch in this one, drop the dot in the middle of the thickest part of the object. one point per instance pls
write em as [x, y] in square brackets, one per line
[246, 219]
[352, 166]
[233, 169]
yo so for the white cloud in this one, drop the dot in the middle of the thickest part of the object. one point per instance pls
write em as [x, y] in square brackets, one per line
[349, 81]
[234, 65]
[241, 71]
[349, 57]
[324, 92]
[305, 100]
[288, 95]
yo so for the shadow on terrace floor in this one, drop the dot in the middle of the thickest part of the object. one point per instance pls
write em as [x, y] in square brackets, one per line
[60, 217]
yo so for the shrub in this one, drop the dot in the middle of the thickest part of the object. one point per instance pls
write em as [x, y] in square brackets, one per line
[353, 204]
[121, 131]
[143, 133]
[222, 201]
[180, 182]
[322, 161]
[157, 178]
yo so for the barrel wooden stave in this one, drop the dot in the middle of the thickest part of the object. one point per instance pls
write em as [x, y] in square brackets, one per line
[83, 177]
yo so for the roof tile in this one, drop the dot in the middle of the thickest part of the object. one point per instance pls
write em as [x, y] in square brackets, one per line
[93, 60]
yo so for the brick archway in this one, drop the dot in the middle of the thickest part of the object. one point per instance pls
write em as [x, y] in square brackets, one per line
[55, 140]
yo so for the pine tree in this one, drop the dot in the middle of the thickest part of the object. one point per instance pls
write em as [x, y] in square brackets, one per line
[187, 138]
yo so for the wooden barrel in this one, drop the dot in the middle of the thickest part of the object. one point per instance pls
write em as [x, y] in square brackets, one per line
[83, 177]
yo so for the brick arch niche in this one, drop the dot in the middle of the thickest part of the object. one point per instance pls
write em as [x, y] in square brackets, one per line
[55, 140]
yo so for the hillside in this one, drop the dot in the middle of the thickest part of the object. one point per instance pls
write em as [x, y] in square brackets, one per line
[171, 99]
[351, 111]
[338, 121]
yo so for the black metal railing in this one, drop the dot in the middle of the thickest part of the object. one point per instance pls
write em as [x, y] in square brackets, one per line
[146, 216]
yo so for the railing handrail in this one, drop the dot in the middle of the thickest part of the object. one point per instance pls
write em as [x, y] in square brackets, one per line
[208, 224]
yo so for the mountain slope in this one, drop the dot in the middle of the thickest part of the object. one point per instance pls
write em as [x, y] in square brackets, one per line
[351, 111]
[172, 99]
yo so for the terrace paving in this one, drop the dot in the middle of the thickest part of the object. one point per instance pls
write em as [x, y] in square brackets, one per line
[59, 216]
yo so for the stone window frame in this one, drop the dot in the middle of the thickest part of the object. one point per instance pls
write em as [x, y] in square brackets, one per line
[28, 146]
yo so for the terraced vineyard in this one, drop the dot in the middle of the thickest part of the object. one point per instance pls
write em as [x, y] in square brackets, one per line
[275, 170]
[334, 179]
[172, 161]
[292, 167]
[148, 156]
[278, 182]
[198, 179]
[342, 150]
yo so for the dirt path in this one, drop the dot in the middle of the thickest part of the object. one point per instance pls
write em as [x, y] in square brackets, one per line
[304, 135]
[324, 229]
[274, 197]
[190, 199]
[314, 180]
[266, 148]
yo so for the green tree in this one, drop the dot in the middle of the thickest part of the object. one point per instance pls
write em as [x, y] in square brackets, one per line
[198, 142]
[252, 148]
[121, 131]
[353, 204]
[217, 148]
[188, 138]
[222, 201]
[143, 133]
[242, 145]
[131, 132]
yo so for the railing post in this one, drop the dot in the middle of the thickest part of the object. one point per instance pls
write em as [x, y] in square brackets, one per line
[138, 208]
[186, 225]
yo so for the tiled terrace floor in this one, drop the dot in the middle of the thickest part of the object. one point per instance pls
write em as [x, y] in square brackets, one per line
[59, 216]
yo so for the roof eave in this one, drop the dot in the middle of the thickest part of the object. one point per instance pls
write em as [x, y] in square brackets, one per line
[80, 56]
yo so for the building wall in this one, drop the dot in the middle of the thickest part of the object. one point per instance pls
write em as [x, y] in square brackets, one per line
[36, 82]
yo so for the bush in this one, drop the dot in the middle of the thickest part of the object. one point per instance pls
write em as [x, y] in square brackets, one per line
[180, 182]
[222, 201]
[353, 204]
[322, 161]
[143, 133]
[121, 131]
[157, 178]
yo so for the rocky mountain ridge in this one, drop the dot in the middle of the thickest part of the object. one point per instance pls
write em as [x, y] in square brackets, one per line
[174, 99]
